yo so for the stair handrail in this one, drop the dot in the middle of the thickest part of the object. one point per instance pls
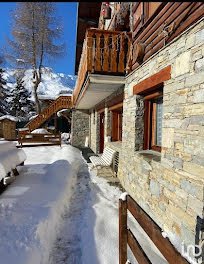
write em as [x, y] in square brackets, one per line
[49, 111]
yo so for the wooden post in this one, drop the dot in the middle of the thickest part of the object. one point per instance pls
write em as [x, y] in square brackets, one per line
[122, 231]
[55, 123]
[60, 139]
[15, 172]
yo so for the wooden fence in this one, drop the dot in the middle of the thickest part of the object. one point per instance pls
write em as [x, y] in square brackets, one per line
[152, 230]
[51, 139]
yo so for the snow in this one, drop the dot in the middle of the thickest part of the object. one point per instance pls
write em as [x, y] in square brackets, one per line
[10, 157]
[32, 117]
[66, 136]
[123, 196]
[10, 117]
[23, 129]
[51, 86]
[40, 131]
[32, 207]
[46, 97]
[59, 212]
[63, 111]
[164, 234]
[51, 127]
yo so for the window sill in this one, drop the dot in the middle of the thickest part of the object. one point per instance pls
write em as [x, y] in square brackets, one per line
[150, 155]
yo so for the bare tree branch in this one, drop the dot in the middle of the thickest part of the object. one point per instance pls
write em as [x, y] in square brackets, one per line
[36, 30]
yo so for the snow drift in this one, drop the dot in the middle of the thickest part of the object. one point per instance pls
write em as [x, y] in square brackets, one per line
[10, 157]
[31, 209]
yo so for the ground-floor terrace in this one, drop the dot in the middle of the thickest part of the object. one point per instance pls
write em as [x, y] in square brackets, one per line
[155, 123]
[58, 211]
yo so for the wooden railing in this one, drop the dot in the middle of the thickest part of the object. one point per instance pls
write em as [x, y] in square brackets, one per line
[104, 52]
[60, 103]
[152, 230]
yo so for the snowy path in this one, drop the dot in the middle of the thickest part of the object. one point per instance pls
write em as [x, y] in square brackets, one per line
[56, 212]
[67, 247]
[32, 206]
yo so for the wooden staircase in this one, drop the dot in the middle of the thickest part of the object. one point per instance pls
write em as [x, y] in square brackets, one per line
[62, 102]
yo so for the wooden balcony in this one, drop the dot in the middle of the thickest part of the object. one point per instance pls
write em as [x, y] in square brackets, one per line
[104, 53]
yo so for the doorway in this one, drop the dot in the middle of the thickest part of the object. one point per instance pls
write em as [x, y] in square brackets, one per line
[101, 132]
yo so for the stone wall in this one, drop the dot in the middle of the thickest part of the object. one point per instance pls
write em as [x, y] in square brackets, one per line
[95, 132]
[80, 127]
[169, 185]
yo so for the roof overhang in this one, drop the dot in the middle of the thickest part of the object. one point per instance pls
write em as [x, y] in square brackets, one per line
[87, 16]
[96, 88]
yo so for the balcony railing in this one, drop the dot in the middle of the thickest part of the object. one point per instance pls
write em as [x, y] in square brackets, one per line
[104, 52]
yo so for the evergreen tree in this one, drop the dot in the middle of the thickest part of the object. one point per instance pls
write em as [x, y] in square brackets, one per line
[20, 104]
[3, 94]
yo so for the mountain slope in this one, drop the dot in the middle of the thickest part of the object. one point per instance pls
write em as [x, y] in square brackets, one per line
[52, 83]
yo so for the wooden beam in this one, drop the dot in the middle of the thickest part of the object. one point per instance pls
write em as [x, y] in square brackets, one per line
[122, 231]
[137, 250]
[115, 100]
[101, 110]
[153, 81]
[147, 119]
[68, 118]
[15, 172]
[153, 95]
[155, 233]
[115, 106]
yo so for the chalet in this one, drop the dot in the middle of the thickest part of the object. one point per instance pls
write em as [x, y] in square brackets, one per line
[140, 91]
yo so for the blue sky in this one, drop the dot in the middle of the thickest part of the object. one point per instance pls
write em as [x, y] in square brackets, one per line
[68, 12]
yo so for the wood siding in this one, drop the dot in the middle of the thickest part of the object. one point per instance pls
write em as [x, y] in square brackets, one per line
[156, 24]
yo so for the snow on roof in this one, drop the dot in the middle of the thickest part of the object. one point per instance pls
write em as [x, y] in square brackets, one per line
[51, 127]
[32, 117]
[23, 129]
[47, 97]
[10, 117]
[40, 131]
[63, 111]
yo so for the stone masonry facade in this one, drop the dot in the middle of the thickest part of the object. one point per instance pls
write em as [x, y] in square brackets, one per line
[80, 127]
[169, 186]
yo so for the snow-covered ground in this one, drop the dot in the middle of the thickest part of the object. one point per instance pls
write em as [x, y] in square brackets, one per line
[58, 212]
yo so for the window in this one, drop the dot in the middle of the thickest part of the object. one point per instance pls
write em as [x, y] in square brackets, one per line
[153, 121]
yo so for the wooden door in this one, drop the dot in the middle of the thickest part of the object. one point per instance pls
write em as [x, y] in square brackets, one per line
[117, 125]
[101, 132]
[120, 128]
[114, 126]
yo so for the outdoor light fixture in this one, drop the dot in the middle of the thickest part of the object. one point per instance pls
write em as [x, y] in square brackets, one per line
[106, 11]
